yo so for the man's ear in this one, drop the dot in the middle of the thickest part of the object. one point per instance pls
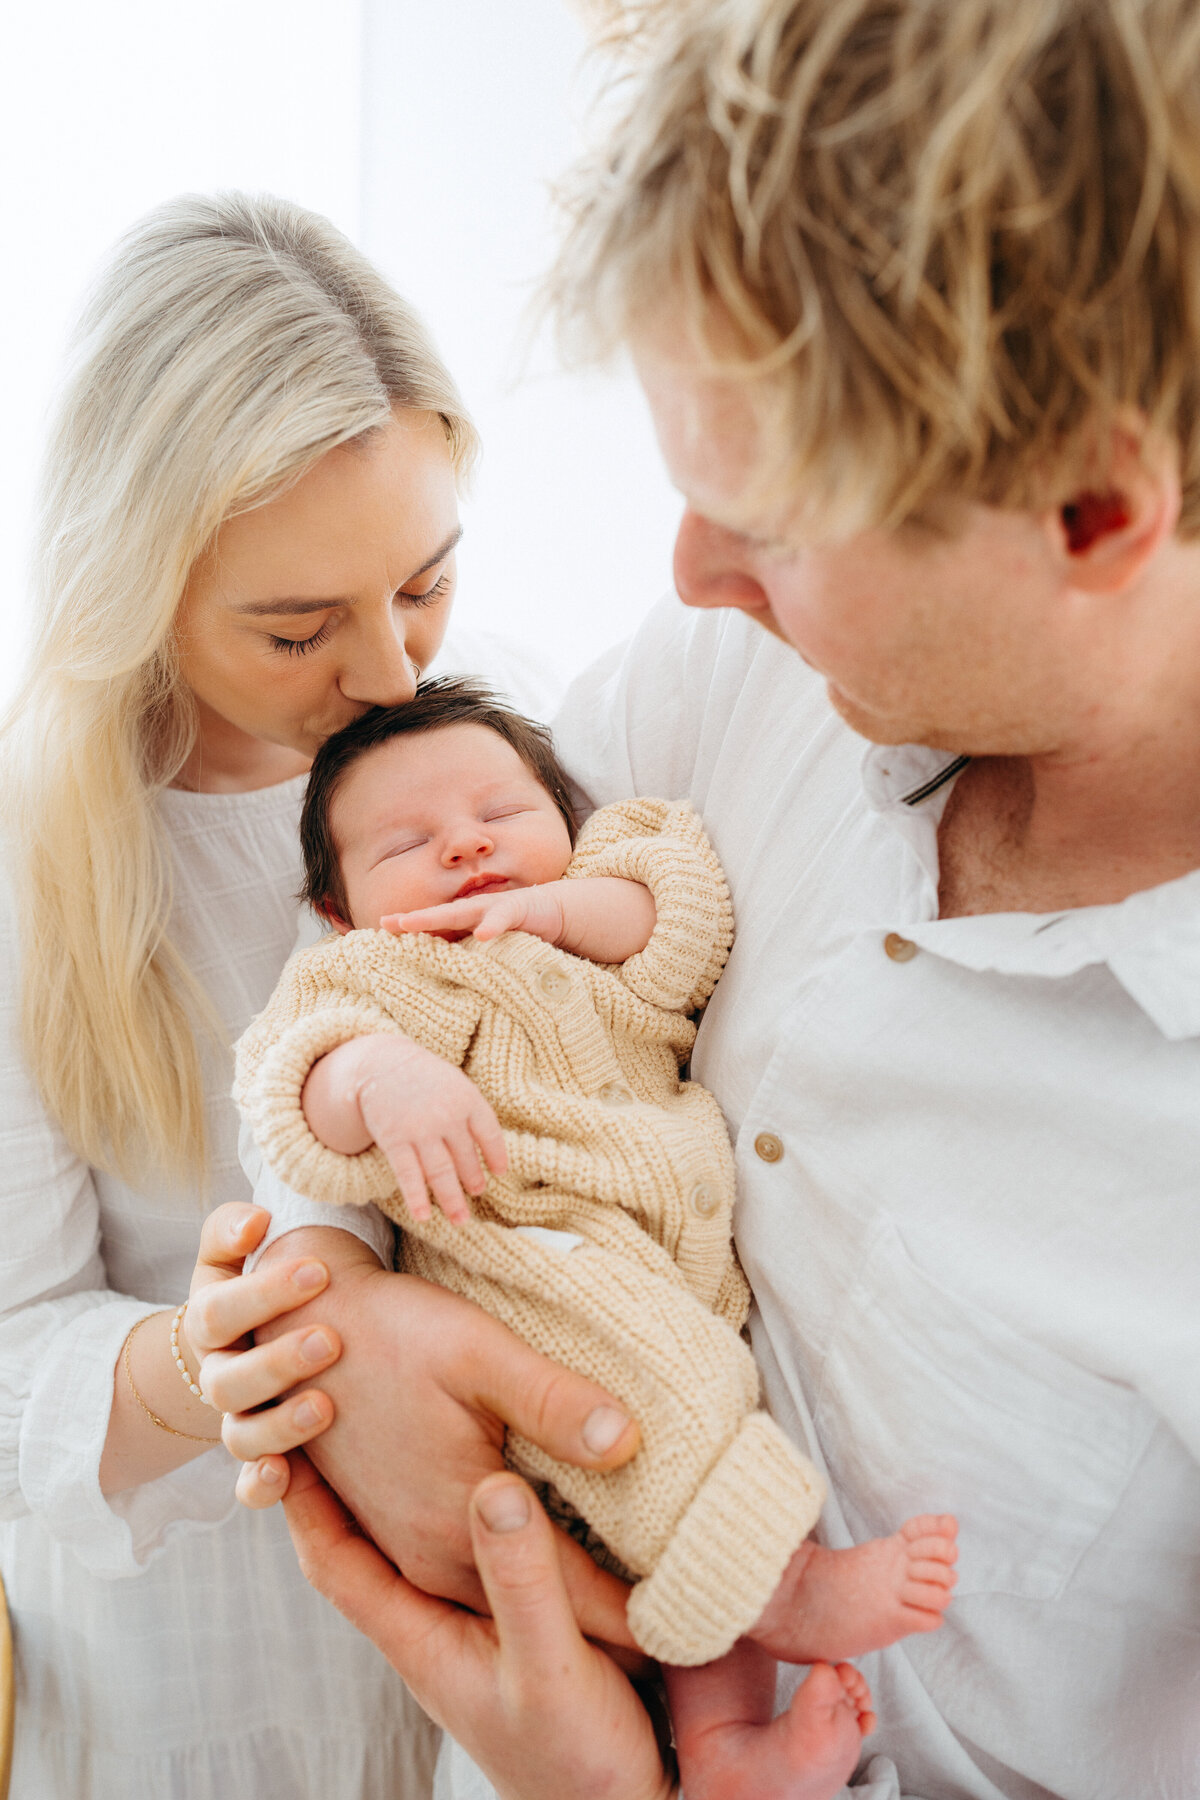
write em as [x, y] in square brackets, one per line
[1112, 528]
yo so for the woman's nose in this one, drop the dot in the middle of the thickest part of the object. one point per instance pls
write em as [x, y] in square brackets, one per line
[711, 566]
[378, 670]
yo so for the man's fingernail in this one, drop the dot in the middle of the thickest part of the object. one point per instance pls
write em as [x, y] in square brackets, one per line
[268, 1474]
[309, 1276]
[504, 1508]
[602, 1428]
[308, 1413]
[315, 1347]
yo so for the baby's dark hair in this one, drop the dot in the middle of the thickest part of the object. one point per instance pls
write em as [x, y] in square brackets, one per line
[446, 700]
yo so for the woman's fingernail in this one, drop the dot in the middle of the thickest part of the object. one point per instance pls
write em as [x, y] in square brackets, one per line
[504, 1508]
[602, 1428]
[309, 1276]
[268, 1474]
[240, 1223]
[307, 1413]
[315, 1347]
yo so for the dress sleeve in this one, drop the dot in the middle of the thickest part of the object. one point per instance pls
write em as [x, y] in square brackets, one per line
[61, 1332]
[663, 845]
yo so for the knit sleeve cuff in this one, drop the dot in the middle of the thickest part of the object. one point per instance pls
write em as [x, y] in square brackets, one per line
[269, 1098]
[663, 845]
[729, 1551]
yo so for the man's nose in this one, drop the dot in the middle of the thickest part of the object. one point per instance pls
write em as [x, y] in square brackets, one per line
[711, 566]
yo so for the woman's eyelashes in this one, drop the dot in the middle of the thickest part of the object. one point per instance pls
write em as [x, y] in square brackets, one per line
[441, 586]
[301, 646]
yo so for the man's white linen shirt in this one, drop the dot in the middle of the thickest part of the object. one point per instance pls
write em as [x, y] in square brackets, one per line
[967, 1158]
[969, 1211]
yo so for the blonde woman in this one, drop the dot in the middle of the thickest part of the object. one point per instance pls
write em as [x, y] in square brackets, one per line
[247, 536]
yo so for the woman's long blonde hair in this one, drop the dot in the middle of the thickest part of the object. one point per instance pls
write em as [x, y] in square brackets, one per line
[231, 341]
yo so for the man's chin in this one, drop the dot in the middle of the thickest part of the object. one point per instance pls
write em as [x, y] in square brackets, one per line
[870, 725]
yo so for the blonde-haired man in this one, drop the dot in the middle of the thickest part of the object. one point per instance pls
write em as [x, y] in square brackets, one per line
[913, 287]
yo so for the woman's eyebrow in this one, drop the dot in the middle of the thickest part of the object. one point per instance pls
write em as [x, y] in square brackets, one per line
[261, 609]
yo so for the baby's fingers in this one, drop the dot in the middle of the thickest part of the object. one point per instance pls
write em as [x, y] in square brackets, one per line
[452, 915]
[485, 1129]
[451, 1164]
[410, 1177]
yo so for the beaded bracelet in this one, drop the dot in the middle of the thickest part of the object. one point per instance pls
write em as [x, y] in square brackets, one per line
[193, 1436]
[180, 1363]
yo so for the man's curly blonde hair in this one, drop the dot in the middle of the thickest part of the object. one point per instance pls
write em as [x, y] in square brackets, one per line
[942, 239]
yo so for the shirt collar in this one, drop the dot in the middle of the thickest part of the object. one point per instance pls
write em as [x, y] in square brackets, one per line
[1150, 942]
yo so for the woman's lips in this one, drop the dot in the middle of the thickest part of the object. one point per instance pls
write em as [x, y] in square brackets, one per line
[481, 884]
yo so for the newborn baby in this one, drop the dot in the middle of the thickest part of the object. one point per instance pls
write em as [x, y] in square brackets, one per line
[544, 983]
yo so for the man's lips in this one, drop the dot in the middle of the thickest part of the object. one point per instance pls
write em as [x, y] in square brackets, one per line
[481, 884]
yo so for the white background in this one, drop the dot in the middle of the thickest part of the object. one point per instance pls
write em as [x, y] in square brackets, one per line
[429, 131]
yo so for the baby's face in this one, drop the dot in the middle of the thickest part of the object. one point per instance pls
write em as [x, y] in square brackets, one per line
[440, 815]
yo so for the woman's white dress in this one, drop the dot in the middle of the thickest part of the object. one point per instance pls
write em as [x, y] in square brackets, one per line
[167, 1646]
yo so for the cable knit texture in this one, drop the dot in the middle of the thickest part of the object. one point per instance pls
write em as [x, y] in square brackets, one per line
[605, 1141]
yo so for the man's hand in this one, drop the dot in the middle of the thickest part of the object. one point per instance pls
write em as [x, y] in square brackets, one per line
[429, 1119]
[544, 1714]
[424, 1390]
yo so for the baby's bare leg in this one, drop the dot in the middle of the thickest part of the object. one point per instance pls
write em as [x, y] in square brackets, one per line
[836, 1603]
[730, 1747]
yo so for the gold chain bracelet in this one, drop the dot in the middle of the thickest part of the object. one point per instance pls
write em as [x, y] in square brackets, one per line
[193, 1436]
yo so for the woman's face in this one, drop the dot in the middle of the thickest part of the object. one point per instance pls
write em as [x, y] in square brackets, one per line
[329, 599]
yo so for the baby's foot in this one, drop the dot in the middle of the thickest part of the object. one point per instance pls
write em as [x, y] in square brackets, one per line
[808, 1753]
[836, 1603]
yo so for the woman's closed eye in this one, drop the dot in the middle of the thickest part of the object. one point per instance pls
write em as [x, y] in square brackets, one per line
[301, 646]
[430, 596]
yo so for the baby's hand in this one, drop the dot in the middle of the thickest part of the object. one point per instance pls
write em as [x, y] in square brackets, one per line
[429, 1119]
[537, 910]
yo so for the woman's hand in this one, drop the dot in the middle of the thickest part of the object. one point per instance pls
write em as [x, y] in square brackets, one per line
[224, 1307]
[545, 1714]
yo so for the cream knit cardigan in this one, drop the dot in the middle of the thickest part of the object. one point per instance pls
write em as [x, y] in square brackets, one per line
[605, 1141]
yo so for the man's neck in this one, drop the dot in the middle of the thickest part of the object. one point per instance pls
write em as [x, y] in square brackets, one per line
[1031, 835]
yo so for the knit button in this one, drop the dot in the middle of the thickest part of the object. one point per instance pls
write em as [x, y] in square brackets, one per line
[900, 949]
[613, 1094]
[554, 984]
[704, 1200]
[768, 1146]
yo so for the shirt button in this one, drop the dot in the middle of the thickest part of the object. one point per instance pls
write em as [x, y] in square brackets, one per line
[900, 949]
[705, 1200]
[613, 1094]
[554, 983]
[768, 1147]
